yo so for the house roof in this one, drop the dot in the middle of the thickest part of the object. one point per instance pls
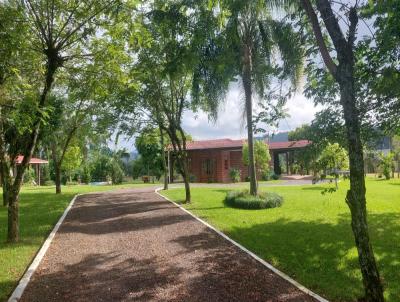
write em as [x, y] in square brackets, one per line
[33, 160]
[230, 143]
[289, 144]
[215, 144]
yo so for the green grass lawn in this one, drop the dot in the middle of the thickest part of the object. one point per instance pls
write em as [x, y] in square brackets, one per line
[40, 209]
[309, 237]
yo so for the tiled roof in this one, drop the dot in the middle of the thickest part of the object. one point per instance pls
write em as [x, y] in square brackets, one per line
[230, 143]
[289, 145]
[33, 160]
[215, 144]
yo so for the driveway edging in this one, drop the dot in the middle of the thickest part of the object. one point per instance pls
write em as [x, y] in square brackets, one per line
[254, 256]
[23, 282]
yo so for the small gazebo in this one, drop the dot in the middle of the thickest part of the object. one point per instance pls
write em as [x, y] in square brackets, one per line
[35, 163]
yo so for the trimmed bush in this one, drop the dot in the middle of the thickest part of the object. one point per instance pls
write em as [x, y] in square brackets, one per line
[243, 200]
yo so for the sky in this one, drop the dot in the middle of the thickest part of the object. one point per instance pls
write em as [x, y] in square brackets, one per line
[230, 122]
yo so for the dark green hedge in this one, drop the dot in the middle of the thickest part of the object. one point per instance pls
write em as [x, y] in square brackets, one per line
[243, 200]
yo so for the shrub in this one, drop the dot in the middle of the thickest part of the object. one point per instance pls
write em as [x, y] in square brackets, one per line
[117, 174]
[275, 176]
[49, 183]
[72, 183]
[243, 200]
[29, 176]
[247, 179]
[234, 175]
[266, 175]
[86, 174]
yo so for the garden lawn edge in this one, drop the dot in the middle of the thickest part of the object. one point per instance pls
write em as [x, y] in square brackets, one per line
[262, 261]
[23, 282]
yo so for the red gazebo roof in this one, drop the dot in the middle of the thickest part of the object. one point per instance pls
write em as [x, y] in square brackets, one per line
[33, 160]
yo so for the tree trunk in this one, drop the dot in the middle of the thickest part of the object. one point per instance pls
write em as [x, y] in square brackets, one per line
[355, 197]
[13, 216]
[246, 78]
[344, 75]
[185, 176]
[164, 160]
[5, 182]
[57, 172]
[184, 165]
[57, 167]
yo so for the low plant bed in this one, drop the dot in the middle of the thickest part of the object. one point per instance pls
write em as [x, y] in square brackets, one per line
[244, 200]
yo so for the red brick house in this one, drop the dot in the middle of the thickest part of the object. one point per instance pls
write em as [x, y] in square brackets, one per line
[211, 160]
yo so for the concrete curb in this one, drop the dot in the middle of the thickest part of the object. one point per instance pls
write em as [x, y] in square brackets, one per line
[263, 262]
[23, 283]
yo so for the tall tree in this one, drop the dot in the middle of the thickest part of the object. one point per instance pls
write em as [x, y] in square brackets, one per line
[342, 68]
[164, 72]
[61, 31]
[247, 46]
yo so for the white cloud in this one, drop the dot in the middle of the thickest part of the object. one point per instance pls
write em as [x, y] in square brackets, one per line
[230, 123]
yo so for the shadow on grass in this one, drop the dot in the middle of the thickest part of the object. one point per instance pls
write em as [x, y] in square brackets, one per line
[38, 214]
[6, 287]
[317, 254]
[314, 188]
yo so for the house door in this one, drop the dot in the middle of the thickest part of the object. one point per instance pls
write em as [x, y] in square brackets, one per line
[208, 171]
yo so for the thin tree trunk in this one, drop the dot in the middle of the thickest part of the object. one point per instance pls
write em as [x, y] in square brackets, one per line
[164, 160]
[246, 78]
[5, 181]
[185, 168]
[57, 172]
[57, 167]
[13, 217]
[344, 75]
[185, 175]
[355, 197]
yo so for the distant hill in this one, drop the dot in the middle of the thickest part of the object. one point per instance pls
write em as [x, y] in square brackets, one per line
[275, 138]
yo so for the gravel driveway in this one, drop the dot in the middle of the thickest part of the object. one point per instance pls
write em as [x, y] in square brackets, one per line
[132, 245]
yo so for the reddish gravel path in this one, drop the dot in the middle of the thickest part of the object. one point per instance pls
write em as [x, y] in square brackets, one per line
[132, 245]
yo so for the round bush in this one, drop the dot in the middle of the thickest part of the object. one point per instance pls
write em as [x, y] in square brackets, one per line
[243, 200]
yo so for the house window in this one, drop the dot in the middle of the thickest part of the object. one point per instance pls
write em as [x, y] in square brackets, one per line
[226, 164]
[208, 167]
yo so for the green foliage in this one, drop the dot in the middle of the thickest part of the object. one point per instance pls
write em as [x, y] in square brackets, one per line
[243, 200]
[72, 160]
[148, 144]
[261, 154]
[138, 168]
[49, 183]
[234, 175]
[29, 176]
[275, 176]
[115, 172]
[386, 164]
[86, 175]
[105, 166]
[333, 158]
